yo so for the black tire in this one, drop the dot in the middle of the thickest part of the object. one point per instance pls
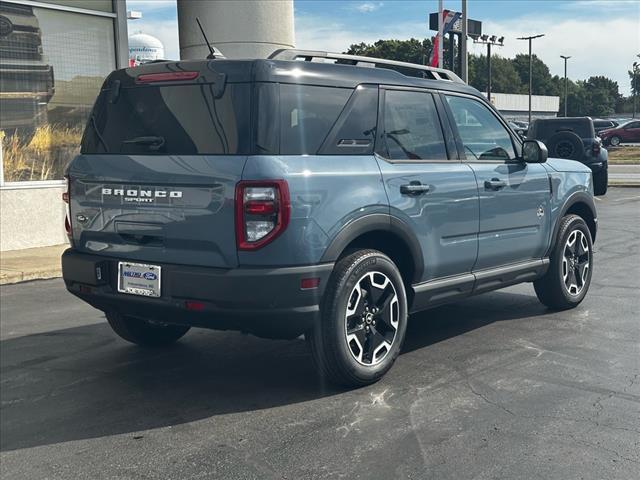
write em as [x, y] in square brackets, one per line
[600, 182]
[143, 333]
[344, 361]
[566, 145]
[552, 289]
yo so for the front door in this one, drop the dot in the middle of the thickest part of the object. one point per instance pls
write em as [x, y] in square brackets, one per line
[631, 132]
[427, 186]
[514, 196]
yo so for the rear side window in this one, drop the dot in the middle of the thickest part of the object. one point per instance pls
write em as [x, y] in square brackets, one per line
[307, 114]
[412, 128]
[173, 119]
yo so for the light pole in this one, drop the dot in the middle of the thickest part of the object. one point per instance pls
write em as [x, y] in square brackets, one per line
[530, 67]
[566, 89]
[488, 41]
[635, 85]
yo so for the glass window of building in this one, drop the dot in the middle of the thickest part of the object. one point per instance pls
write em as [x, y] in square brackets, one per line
[52, 64]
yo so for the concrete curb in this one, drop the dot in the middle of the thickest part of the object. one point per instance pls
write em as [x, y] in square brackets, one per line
[8, 278]
[30, 264]
[624, 184]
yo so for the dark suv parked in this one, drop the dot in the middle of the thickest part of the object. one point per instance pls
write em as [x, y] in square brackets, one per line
[574, 138]
[289, 196]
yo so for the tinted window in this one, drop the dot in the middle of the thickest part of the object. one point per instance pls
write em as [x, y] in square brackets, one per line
[307, 113]
[632, 125]
[412, 127]
[185, 119]
[482, 134]
[354, 132]
[544, 129]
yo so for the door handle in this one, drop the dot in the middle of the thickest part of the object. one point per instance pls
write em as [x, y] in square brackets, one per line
[494, 184]
[414, 189]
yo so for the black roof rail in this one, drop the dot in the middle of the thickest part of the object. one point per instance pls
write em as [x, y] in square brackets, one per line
[422, 71]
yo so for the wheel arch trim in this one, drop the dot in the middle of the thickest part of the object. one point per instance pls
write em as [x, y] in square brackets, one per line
[377, 222]
[575, 199]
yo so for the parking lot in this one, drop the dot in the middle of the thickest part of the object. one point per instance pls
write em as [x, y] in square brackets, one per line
[495, 386]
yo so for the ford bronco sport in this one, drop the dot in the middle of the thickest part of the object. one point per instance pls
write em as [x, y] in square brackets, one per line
[292, 195]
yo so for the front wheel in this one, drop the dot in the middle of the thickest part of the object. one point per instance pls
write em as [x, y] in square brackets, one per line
[567, 281]
[141, 332]
[363, 320]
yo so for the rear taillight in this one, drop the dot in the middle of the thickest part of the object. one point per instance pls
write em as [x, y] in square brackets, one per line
[596, 149]
[262, 212]
[66, 196]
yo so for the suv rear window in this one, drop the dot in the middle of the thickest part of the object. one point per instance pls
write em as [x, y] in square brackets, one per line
[174, 119]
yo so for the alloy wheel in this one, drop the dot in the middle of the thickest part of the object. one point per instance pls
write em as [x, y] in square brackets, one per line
[371, 319]
[575, 262]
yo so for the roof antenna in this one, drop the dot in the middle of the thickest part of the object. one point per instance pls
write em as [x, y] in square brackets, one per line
[211, 55]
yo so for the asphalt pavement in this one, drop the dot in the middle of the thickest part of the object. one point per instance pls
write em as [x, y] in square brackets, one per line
[495, 386]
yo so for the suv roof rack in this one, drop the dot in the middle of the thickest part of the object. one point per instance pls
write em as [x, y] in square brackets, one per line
[422, 71]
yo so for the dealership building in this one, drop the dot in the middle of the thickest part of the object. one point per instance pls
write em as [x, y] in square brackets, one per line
[55, 54]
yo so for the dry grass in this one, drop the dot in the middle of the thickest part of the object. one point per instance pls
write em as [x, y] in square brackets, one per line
[624, 155]
[42, 157]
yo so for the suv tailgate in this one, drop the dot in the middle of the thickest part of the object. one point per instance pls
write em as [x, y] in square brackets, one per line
[170, 209]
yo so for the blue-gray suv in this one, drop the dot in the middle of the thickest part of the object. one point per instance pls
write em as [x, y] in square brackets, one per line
[313, 193]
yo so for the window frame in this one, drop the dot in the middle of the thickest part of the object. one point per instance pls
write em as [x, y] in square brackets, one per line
[515, 140]
[380, 148]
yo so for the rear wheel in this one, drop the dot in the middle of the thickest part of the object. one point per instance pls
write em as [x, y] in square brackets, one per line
[567, 281]
[363, 320]
[144, 333]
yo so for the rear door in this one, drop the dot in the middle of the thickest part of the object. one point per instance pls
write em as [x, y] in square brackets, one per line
[427, 186]
[514, 196]
[156, 178]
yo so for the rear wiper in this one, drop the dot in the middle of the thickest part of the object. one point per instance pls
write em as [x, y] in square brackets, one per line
[92, 121]
[153, 142]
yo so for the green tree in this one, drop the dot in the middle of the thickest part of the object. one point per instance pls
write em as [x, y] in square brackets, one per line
[412, 50]
[634, 80]
[504, 77]
[602, 94]
[542, 81]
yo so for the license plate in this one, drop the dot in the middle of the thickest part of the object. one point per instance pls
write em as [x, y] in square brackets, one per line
[139, 279]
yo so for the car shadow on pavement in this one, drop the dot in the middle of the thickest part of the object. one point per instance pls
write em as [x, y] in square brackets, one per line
[83, 382]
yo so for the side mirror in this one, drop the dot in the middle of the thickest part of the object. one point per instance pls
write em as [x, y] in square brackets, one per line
[534, 151]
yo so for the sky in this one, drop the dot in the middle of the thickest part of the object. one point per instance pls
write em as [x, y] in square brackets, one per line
[601, 36]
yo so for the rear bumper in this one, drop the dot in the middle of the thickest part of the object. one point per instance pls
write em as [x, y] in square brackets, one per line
[598, 167]
[264, 301]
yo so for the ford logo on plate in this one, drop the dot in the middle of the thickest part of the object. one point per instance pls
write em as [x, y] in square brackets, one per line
[150, 276]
